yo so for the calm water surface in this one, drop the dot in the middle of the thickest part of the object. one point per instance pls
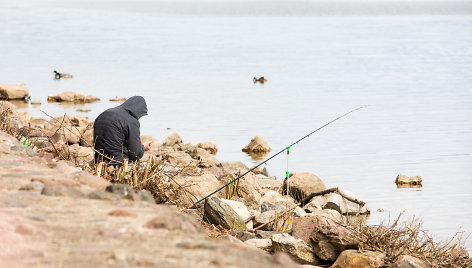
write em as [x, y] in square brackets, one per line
[194, 61]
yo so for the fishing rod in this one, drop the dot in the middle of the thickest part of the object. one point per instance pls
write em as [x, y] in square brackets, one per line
[281, 151]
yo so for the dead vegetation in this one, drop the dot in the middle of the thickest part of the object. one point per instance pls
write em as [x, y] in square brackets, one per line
[409, 238]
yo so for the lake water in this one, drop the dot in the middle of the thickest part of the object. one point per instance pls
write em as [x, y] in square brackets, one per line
[194, 62]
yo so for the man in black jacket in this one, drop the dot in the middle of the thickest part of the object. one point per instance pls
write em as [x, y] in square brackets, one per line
[116, 132]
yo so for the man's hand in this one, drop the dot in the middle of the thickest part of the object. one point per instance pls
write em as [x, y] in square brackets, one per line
[147, 146]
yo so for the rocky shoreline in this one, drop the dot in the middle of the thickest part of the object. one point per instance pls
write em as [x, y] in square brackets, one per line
[56, 211]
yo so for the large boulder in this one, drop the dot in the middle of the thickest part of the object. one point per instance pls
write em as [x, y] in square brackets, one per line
[302, 184]
[354, 259]
[220, 213]
[195, 187]
[257, 146]
[297, 249]
[303, 226]
[13, 92]
[406, 261]
[329, 238]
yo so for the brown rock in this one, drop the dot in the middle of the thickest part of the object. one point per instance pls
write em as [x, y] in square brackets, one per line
[67, 96]
[257, 145]
[208, 146]
[329, 238]
[171, 219]
[173, 139]
[402, 179]
[302, 184]
[90, 98]
[118, 99]
[355, 259]
[13, 92]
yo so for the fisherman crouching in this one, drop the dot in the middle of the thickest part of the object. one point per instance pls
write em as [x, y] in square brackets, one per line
[116, 133]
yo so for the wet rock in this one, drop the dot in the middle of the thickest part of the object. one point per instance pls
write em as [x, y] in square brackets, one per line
[403, 179]
[355, 259]
[67, 96]
[208, 146]
[344, 206]
[220, 213]
[257, 145]
[61, 190]
[32, 186]
[173, 139]
[329, 238]
[302, 184]
[13, 92]
[406, 261]
[90, 98]
[240, 209]
[264, 244]
[171, 219]
[300, 251]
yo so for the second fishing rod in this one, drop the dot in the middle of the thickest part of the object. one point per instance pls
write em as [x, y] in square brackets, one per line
[281, 151]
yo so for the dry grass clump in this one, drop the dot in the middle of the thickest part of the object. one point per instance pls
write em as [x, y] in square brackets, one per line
[409, 238]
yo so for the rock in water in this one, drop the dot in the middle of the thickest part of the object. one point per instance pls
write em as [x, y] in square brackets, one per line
[220, 213]
[402, 179]
[300, 251]
[302, 184]
[13, 92]
[257, 146]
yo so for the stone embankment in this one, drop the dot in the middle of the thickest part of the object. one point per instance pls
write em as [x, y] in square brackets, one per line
[53, 214]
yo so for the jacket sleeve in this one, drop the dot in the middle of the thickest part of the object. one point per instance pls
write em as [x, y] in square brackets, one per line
[135, 147]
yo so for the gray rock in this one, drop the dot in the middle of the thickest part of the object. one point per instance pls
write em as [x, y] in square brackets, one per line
[61, 190]
[406, 261]
[300, 251]
[262, 234]
[102, 195]
[220, 213]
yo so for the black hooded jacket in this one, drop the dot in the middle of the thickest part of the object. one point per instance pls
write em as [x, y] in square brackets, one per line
[116, 131]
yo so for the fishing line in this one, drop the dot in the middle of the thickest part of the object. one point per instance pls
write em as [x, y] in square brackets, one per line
[270, 158]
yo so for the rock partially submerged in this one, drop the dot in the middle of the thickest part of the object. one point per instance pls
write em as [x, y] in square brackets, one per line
[402, 180]
[70, 96]
[257, 146]
[13, 92]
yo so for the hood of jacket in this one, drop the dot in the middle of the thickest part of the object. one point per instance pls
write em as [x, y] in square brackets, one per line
[136, 106]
